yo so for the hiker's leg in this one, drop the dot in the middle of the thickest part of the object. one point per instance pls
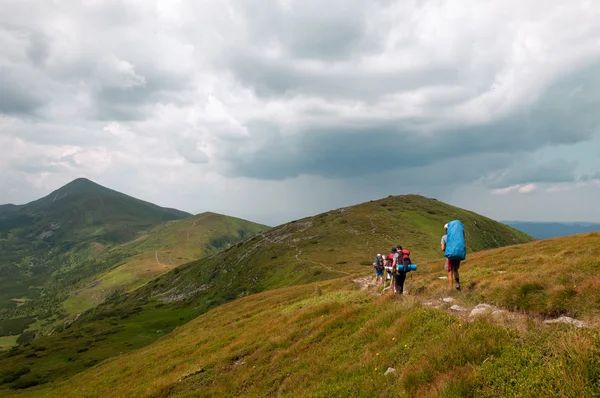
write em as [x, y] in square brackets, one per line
[400, 285]
[456, 276]
[449, 269]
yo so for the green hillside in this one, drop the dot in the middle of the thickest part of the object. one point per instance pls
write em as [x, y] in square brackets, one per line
[326, 246]
[161, 249]
[333, 339]
[51, 244]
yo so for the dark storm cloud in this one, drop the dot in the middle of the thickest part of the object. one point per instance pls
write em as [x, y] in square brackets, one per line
[272, 78]
[17, 96]
[555, 171]
[360, 148]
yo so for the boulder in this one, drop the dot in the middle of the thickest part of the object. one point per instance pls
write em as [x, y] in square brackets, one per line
[481, 309]
[567, 320]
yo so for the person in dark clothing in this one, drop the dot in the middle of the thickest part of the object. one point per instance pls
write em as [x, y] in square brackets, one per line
[399, 273]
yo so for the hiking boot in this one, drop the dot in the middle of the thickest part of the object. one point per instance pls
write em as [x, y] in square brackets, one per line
[457, 285]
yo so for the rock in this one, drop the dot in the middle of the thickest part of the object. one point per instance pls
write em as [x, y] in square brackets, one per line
[457, 308]
[501, 272]
[443, 277]
[481, 309]
[568, 320]
[390, 371]
[498, 312]
[448, 300]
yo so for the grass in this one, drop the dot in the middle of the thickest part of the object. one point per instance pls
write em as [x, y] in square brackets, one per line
[546, 278]
[329, 339]
[310, 250]
[7, 342]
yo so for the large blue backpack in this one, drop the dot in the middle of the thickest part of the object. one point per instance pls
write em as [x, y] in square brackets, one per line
[456, 248]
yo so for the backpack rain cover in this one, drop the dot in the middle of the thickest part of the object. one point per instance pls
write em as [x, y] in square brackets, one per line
[455, 245]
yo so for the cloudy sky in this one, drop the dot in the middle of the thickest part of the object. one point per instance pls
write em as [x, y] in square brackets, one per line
[276, 109]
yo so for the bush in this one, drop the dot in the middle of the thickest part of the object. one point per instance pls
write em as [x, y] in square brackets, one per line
[23, 384]
[9, 377]
[25, 337]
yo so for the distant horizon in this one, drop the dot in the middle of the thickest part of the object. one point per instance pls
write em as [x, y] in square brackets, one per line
[194, 213]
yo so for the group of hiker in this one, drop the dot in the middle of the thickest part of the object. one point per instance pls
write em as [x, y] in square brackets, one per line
[397, 263]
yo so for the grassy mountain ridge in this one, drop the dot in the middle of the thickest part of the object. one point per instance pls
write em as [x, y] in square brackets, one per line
[163, 248]
[331, 339]
[329, 245]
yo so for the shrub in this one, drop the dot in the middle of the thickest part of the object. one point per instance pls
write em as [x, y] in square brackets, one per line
[23, 384]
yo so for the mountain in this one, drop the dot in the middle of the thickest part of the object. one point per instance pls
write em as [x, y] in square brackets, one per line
[7, 208]
[161, 249]
[331, 338]
[544, 230]
[51, 243]
[334, 244]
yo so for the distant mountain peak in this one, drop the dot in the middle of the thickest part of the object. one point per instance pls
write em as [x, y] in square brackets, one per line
[81, 186]
[81, 183]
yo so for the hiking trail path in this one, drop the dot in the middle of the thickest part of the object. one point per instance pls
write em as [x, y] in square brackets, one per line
[458, 308]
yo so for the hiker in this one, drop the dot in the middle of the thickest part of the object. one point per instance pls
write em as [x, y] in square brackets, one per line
[454, 249]
[401, 262]
[379, 266]
[389, 266]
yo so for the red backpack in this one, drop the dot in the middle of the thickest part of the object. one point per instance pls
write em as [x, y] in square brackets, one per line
[389, 260]
[406, 256]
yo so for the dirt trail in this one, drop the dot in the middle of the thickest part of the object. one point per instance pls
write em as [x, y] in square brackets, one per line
[458, 308]
[158, 261]
[188, 230]
[327, 267]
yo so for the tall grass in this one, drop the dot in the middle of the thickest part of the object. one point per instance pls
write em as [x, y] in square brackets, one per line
[333, 340]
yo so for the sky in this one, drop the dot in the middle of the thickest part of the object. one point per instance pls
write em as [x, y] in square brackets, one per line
[280, 109]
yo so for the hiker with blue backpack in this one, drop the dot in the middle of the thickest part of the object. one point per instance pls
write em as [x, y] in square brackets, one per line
[401, 265]
[455, 249]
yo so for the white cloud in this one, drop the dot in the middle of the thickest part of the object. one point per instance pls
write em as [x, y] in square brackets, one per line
[506, 190]
[527, 188]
